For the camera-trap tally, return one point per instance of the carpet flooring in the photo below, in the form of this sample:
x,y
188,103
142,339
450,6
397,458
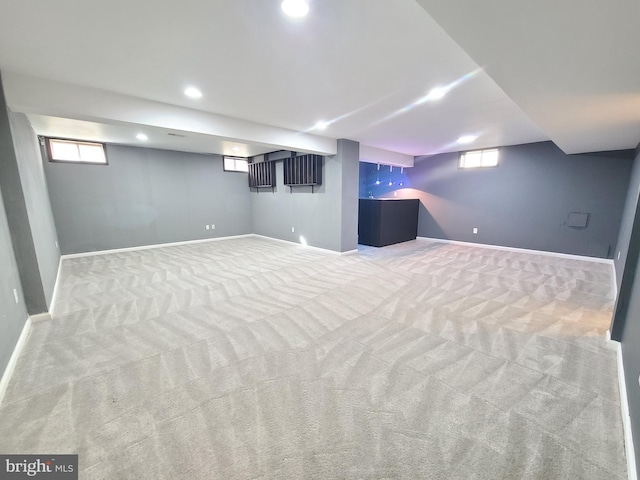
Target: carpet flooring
x,y
251,358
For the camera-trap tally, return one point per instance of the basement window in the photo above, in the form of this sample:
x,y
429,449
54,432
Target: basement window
x,y
236,164
479,158
76,151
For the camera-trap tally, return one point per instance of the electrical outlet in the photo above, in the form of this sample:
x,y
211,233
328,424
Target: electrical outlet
x,y
293,230
207,227
15,294
475,230
213,227
395,194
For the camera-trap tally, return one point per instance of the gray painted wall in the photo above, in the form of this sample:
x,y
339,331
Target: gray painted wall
x,y
146,197
630,207
325,218
17,215
12,315
349,153
631,360
626,323
524,202
314,216
37,202
21,289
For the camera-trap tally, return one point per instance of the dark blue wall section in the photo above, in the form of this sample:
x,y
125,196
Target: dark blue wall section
x,y
523,203
626,323
626,225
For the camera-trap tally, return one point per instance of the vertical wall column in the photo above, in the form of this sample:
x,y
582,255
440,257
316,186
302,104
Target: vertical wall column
x,y
349,158
18,218
325,217
625,326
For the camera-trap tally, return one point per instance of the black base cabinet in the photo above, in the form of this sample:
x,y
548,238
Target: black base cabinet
x,y
385,222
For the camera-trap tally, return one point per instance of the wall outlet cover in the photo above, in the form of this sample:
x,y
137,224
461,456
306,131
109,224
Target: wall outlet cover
x,y
207,227
577,220
475,230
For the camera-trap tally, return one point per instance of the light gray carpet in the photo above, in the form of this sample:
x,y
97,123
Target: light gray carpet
x,y
255,359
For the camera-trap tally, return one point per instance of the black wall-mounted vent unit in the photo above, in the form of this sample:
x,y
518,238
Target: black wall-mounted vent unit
x,y
262,175
303,170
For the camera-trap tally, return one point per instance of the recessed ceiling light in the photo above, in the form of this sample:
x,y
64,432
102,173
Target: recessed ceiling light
x,y
467,138
193,92
295,8
142,136
437,93
434,94
321,125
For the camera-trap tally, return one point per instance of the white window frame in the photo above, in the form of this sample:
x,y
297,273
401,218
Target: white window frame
x,y
77,144
235,161
486,153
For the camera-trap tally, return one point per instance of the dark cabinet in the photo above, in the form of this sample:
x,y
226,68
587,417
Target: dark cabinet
x,y
385,222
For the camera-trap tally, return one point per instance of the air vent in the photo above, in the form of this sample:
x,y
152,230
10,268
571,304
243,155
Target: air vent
x,y
303,170
262,174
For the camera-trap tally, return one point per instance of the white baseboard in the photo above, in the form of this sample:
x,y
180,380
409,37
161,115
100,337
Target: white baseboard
x,y
610,344
146,247
626,419
614,283
54,296
40,317
326,250
11,366
161,245
522,250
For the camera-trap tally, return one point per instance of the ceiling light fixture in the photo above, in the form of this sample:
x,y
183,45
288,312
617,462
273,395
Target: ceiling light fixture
x,y
295,8
437,93
193,92
142,136
321,125
467,138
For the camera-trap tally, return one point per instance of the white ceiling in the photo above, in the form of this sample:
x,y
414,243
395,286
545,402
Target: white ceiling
x,y
573,66
360,64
